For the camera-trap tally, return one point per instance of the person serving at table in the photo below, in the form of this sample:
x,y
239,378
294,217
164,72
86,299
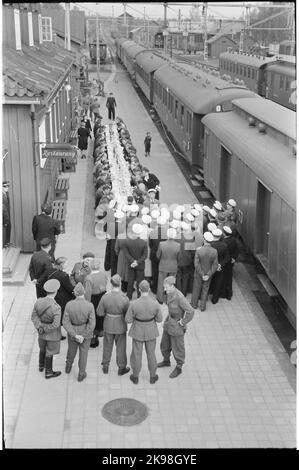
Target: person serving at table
x,y
151,181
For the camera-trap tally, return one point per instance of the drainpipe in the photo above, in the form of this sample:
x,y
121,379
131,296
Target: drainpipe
x,y
36,163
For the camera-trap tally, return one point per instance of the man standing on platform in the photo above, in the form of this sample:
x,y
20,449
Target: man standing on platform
x,y
206,264
40,265
180,313
135,250
46,319
6,214
113,308
144,313
232,245
43,226
79,322
111,105
223,259
168,255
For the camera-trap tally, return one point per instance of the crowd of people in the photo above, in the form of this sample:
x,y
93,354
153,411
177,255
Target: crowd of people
x,y
151,249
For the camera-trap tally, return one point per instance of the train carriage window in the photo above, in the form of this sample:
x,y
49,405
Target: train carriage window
x,y
230,67
248,72
182,116
252,73
176,109
287,85
241,70
281,83
237,69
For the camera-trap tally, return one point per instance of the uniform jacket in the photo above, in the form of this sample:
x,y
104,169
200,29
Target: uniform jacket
x,y
113,307
222,250
47,313
79,273
79,318
151,182
95,283
110,103
43,226
232,246
136,249
168,254
65,291
122,262
185,257
178,309
83,134
40,265
145,308
156,236
206,260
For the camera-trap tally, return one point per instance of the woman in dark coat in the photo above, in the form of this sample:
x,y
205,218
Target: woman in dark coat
x,y
83,134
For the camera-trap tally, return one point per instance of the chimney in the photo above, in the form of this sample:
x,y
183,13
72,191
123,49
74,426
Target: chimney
x,y
36,22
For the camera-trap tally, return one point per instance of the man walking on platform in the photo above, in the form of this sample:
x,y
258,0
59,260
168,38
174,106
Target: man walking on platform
x,y
43,226
206,264
135,250
113,308
46,319
167,254
180,313
223,259
79,322
147,144
40,265
143,313
111,105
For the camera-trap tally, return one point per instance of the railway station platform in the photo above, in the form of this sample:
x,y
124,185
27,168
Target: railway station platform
x,y
238,386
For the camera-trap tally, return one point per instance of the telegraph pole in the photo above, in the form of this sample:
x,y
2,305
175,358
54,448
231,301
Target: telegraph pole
x,y
98,46
179,20
67,27
165,14
205,35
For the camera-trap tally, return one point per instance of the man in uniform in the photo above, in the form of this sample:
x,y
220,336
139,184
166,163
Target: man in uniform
x,y
167,254
135,250
223,259
180,313
157,235
144,313
232,245
82,269
43,226
111,105
206,264
150,181
40,265
46,319
113,308
79,322
6,214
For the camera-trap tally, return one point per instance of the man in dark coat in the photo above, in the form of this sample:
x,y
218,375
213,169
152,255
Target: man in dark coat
x,y
111,105
135,251
6,214
83,134
65,292
167,254
81,269
40,265
43,226
185,262
144,313
150,181
223,258
156,236
232,245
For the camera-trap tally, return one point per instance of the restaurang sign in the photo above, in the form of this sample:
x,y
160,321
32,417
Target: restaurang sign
x,y
58,151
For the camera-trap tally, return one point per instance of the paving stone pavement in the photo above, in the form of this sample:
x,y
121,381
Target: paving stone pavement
x,y
237,388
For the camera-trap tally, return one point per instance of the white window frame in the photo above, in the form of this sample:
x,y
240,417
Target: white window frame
x,y
17,29
47,29
30,29
40,28
42,141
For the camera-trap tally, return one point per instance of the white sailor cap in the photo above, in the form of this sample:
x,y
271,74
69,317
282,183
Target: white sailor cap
x,y
146,219
155,214
171,233
227,230
161,220
151,190
185,226
217,205
232,202
211,226
217,233
206,208
145,210
198,207
213,213
175,223
195,212
137,229
208,237
189,217
165,213
134,208
180,208
126,208
176,214
119,214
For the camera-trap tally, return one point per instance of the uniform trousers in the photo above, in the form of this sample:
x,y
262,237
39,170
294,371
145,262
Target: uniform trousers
x,y
120,341
6,229
227,286
160,291
200,290
216,285
95,300
176,344
183,278
49,348
136,356
134,274
83,353
155,274
111,112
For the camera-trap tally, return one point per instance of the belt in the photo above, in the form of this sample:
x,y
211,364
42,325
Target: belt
x,y
145,321
80,324
114,316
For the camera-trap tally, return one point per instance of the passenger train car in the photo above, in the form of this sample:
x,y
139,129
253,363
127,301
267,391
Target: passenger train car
x,y
250,153
270,77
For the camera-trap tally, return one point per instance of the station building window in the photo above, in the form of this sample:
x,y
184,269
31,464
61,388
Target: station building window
x,y
17,29
47,28
30,29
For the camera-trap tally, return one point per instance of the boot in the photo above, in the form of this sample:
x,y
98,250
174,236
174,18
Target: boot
x,y
68,368
154,379
49,368
164,364
41,361
81,377
134,379
177,371
123,371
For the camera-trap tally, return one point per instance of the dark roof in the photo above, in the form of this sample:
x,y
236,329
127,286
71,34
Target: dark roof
x,y
270,113
283,68
245,59
202,96
34,71
133,50
219,36
149,61
271,161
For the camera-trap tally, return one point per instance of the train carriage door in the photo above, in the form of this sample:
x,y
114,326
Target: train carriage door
x,y
225,173
263,204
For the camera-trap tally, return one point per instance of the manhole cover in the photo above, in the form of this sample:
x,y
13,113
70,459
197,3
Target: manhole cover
x,y
125,411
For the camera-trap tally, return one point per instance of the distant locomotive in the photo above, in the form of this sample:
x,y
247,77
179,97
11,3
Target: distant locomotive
x,y
93,52
159,41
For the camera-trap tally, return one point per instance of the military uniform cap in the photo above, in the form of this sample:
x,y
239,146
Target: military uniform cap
x,y
171,233
206,209
169,280
208,237
176,214
227,230
195,212
45,242
119,214
116,280
79,289
146,219
175,223
190,217
213,213
232,202
51,286
145,210
185,226
198,207
180,208
211,226
88,254
137,229
151,190
155,214
134,208
217,205
217,232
